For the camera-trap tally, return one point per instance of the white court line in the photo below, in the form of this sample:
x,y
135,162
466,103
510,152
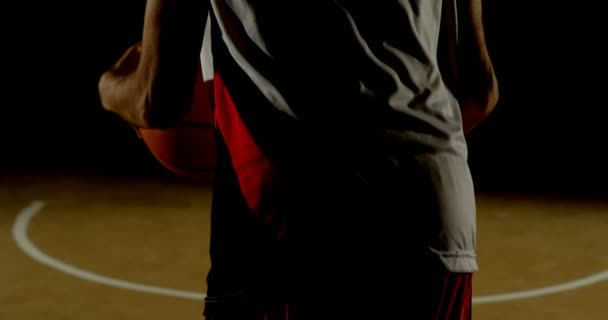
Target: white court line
x,y
571,285
20,235
26,215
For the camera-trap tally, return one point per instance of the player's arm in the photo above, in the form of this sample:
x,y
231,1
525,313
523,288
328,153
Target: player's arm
x,y
151,85
477,84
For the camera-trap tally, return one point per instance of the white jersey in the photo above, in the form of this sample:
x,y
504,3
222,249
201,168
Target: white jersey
x,y
374,65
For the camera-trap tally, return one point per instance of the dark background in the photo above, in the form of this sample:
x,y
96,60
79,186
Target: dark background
x,y
547,134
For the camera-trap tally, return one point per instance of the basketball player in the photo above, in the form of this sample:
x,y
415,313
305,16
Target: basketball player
x,y
342,188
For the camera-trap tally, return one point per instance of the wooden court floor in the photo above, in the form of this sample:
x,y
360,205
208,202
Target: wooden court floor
x,y
91,247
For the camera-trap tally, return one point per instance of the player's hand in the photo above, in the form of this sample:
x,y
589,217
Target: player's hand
x,y
115,77
118,87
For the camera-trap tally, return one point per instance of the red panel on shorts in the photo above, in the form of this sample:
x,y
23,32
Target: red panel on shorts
x,y
255,173
455,300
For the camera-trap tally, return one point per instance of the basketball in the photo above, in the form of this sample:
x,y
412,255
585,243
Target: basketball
x,y
188,149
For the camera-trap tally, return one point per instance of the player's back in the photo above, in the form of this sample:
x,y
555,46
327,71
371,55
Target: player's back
x,y
363,77
365,65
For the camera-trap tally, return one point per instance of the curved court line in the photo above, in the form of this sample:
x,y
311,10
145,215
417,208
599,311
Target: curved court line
x,y
524,294
20,235
27,214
